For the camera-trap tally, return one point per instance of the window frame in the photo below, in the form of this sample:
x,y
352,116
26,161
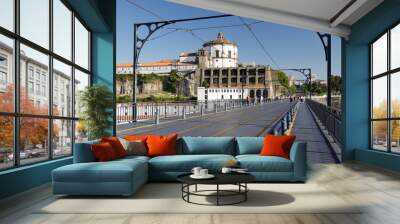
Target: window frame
x,y
388,74
16,114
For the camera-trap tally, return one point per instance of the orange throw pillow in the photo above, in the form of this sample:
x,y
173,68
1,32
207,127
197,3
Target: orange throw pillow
x,y
277,145
161,145
103,152
116,145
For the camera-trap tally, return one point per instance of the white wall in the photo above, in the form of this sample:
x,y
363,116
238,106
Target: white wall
x,y
223,61
221,93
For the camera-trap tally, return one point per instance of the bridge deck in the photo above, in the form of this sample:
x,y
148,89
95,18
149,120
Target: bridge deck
x,y
305,128
248,121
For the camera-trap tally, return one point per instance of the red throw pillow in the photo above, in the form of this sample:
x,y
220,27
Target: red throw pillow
x,y
277,145
116,145
103,152
161,145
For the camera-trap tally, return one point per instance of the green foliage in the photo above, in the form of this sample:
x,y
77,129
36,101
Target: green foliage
x,y
320,89
292,89
148,78
336,84
97,104
158,99
170,82
124,77
283,79
124,99
317,88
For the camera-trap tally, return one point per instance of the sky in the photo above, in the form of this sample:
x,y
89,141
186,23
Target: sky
x,y
289,47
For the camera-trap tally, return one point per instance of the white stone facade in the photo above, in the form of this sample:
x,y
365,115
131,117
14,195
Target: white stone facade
x,y
209,94
218,53
159,68
34,80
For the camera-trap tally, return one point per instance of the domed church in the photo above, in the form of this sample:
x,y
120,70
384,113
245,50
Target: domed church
x,y
218,53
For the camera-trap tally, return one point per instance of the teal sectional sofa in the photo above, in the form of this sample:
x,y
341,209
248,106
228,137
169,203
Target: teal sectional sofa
x,y
125,176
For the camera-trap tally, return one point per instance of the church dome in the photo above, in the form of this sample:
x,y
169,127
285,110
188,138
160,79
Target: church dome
x,y
220,40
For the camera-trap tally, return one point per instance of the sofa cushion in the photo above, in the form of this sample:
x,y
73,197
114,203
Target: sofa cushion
x,y
83,152
112,171
132,158
161,145
103,152
249,145
134,147
275,145
208,145
116,145
185,163
257,163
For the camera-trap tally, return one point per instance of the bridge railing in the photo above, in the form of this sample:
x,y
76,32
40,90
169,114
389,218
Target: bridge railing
x,y
282,124
169,110
329,117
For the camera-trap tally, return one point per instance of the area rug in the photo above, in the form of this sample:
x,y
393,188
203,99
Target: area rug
x,y
167,198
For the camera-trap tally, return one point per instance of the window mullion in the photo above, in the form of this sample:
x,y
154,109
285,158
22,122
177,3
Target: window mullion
x,y
50,81
16,84
371,137
389,104
73,80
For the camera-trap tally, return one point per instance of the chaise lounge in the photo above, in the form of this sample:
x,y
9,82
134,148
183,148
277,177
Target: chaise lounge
x,y
125,176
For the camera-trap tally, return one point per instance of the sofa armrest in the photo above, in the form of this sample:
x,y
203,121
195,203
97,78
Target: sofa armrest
x,y
83,152
298,155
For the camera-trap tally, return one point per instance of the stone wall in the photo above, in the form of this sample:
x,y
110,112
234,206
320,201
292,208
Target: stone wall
x,y
152,86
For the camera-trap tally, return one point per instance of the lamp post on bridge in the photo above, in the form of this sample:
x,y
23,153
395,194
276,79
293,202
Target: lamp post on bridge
x,y
138,43
326,42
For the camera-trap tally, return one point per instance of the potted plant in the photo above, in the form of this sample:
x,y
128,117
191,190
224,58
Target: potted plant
x,y
96,103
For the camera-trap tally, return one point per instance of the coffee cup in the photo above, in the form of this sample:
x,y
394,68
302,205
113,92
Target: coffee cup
x,y
226,170
196,171
203,172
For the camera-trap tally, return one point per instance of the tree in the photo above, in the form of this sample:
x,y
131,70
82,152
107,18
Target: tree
x,y
33,131
292,89
317,88
283,79
336,84
379,128
97,104
171,82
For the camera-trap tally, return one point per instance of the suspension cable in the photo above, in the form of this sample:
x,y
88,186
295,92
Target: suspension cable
x,y
259,42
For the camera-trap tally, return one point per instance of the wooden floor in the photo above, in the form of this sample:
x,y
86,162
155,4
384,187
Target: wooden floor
x,y
378,189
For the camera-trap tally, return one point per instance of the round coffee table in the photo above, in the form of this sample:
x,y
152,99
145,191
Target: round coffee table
x,y
238,179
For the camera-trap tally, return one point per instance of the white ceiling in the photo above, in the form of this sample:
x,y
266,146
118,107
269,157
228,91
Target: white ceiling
x,y
327,16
